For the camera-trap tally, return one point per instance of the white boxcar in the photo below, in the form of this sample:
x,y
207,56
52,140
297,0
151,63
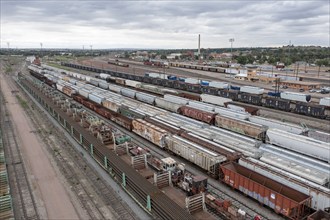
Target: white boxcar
x,y
325,101
168,105
144,97
96,98
176,99
192,81
320,195
80,83
115,88
194,153
128,92
132,83
220,85
299,143
217,100
232,113
201,106
299,169
272,123
300,97
252,90
59,86
94,82
84,92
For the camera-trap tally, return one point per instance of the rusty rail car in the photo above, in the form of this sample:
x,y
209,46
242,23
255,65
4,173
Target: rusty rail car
x,y
282,199
147,195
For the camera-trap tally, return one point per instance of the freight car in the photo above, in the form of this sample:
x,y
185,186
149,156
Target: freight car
x,y
285,103
281,198
117,63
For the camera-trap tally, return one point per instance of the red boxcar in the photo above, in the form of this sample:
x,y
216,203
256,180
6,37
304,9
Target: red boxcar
x,y
197,114
283,199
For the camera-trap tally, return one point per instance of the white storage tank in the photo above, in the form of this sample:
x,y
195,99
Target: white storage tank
x,y
300,97
325,101
217,100
252,90
220,85
299,143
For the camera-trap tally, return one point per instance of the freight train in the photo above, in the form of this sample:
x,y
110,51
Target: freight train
x,y
210,156
291,103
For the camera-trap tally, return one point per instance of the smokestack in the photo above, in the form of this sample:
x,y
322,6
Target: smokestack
x,y
199,46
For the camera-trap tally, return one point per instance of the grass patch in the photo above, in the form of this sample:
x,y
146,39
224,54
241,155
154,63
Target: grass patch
x,y
22,102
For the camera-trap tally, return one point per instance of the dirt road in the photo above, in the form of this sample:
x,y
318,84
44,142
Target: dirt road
x,y
45,182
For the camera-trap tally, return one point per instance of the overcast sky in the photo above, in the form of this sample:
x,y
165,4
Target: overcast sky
x,y
163,24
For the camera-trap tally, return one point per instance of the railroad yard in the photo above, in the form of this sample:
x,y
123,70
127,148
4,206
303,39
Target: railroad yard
x,y
129,141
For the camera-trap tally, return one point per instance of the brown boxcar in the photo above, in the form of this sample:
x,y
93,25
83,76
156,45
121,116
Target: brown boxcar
x,y
282,199
241,126
122,120
207,117
167,127
319,215
120,81
189,96
68,90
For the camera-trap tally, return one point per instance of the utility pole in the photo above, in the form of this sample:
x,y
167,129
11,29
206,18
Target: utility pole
x,y
8,45
231,40
40,46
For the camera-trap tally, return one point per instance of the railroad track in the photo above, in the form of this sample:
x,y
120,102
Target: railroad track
x,y
251,212
23,199
82,177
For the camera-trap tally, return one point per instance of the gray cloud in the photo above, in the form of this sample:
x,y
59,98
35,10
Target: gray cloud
x,y
164,24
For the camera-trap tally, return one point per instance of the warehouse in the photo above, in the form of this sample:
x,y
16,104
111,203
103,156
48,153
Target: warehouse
x,y
300,85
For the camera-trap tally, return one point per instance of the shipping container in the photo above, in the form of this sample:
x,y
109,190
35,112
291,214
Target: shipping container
x,y
220,85
232,113
143,97
128,92
96,98
325,101
241,126
204,116
204,158
217,100
299,143
320,196
300,97
168,105
252,90
201,106
281,198
273,123
150,132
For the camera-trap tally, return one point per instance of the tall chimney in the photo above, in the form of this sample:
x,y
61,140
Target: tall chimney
x,y
199,46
